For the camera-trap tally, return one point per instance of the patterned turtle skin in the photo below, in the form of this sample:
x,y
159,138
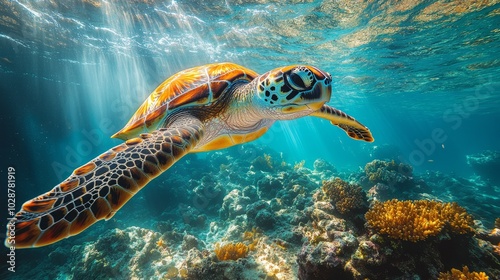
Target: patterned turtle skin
x,y
199,109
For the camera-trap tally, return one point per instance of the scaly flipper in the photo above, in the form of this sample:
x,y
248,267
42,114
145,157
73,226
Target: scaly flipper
x,y
352,127
96,190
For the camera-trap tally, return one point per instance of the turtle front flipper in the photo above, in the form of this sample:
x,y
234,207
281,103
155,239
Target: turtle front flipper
x,y
352,127
98,189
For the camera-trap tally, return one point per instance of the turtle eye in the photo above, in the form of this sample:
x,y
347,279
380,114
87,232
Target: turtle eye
x,y
299,79
295,81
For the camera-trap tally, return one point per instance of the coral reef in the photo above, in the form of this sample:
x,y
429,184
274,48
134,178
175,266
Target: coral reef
x,y
234,204
344,248
389,173
390,179
324,260
122,254
472,192
231,251
283,223
263,163
456,274
324,169
417,220
486,164
344,196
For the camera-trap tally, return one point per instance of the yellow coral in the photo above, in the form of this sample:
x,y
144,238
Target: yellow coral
x,y
252,236
299,165
171,273
264,163
160,243
231,251
345,197
269,161
456,217
456,274
417,220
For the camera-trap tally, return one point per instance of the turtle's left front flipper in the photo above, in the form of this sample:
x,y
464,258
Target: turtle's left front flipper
x,y
352,127
98,189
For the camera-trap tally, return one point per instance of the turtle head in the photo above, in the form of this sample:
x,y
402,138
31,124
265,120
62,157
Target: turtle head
x,y
293,91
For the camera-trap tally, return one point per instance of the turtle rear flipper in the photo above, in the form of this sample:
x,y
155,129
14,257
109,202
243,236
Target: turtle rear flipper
x,y
98,189
351,126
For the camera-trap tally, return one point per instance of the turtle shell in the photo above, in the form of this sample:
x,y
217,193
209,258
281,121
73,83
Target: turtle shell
x,y
198,86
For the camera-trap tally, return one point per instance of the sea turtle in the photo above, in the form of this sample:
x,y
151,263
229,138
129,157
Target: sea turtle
x,y
200,109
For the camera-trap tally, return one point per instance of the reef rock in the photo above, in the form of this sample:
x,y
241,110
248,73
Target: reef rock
x,y
486,165
125,254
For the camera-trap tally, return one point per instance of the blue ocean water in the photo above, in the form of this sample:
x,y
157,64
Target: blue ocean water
x,y
422,75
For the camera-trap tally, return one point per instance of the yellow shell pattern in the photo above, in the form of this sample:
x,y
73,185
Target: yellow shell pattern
x,y
196,86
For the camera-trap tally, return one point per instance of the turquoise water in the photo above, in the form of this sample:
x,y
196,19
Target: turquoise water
x,y
422,75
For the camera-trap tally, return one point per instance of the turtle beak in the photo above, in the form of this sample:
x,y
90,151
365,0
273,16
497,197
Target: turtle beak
x,y
319,95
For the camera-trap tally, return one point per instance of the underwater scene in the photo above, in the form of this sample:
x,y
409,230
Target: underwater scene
x,y
301,139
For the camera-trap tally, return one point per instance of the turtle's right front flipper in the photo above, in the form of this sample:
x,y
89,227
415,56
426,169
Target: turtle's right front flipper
x,y
99,188
351,126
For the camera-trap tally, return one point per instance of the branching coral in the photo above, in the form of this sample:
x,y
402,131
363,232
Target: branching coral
x,y
465,274
456,217
497,222
231,251
417,220
299,165
344,196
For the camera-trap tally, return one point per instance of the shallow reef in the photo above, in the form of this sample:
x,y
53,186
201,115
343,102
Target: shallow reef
x,y
486,164
418,220
246,213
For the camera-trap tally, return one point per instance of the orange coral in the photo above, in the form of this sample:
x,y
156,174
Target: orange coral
x,y
345,197
253,236
417,220
456,217
231,251
456,274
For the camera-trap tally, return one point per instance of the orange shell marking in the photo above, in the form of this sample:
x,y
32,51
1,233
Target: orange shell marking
x,y
85,169
192,87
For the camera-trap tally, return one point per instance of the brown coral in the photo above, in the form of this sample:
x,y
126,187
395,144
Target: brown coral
x,y
465,274
231,251
497,223
263,163
388,172
344,196
417,220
